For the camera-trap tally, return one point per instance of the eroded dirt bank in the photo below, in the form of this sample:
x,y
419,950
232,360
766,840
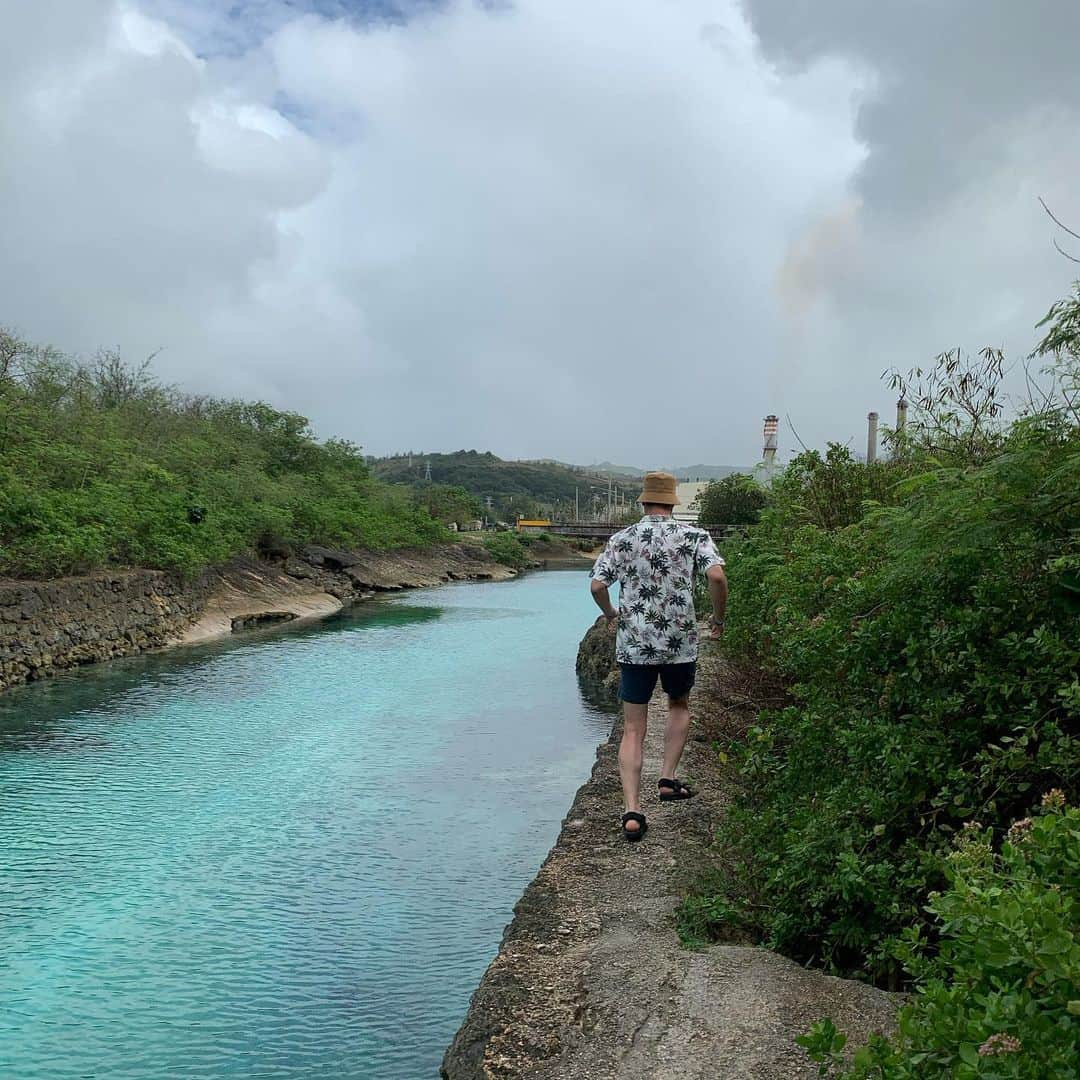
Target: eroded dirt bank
x,y
48,626
591,979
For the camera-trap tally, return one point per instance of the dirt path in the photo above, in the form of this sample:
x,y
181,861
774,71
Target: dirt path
x,y
591,979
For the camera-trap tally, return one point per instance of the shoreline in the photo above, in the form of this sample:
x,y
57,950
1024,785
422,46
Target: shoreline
x,y
590,978
47,627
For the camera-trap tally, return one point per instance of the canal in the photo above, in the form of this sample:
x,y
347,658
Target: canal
x,y
286,856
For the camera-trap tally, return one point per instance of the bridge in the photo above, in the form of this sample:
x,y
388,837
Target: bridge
x,y
603,531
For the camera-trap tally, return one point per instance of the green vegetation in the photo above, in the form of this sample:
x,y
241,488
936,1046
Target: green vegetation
x,y
737,499
920,617
509,549
101,465
517,488
448,504
998,996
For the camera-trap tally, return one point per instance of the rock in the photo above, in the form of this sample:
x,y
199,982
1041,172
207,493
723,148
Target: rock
x,y
83,620
596,661
330,558
261,618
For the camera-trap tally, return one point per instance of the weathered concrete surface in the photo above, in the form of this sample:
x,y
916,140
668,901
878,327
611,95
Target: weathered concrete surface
x,y
591,979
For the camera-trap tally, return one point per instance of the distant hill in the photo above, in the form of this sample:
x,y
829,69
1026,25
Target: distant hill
x,y
708,472
526,488
683,472
609,468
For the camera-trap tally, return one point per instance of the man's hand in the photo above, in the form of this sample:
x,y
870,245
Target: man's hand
x,y
600,594
716,627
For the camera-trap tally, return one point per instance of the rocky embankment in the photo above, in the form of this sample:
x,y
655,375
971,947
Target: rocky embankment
x,y
596,660
47,626
591,979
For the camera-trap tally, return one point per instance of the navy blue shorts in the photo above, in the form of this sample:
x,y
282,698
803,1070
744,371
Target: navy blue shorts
x,y
638,681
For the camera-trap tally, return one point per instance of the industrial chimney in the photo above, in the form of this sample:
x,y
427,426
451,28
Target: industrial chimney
x,y
871,437
772,425
901,414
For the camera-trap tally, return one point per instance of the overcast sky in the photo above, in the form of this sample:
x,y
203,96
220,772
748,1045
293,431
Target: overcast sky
x,y
583,229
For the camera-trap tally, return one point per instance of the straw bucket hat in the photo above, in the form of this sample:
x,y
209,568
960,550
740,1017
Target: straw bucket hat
x,y
659,488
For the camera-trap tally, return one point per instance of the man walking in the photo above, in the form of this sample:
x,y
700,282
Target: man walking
x,y
655,563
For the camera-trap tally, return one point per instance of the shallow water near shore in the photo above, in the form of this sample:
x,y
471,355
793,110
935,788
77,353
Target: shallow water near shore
x,y
288,856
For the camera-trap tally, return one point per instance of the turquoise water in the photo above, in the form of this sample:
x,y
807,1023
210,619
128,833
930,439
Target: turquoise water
x,y
291,856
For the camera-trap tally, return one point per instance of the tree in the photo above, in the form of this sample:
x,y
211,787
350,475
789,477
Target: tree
x,y
449,504
736,499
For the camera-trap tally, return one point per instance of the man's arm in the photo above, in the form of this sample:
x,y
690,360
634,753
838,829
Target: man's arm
x,y
718,590
599,591
604,574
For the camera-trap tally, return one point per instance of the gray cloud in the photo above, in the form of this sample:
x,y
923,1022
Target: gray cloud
x,y
613,230
969,115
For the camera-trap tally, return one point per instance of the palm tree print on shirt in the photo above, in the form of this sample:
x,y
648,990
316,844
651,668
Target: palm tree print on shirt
x,y
654,563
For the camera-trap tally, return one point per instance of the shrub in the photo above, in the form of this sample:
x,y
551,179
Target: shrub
x,y
923,618
507,549
448,504
100,465
737,499
1000,994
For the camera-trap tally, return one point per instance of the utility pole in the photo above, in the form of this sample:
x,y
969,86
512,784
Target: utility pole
x,y
871,438
577,512
427,472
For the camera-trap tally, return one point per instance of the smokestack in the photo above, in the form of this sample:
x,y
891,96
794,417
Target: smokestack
x,y
772,424
901,414
871,437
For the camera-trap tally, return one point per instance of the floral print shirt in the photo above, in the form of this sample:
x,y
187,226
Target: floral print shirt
x,y
655,562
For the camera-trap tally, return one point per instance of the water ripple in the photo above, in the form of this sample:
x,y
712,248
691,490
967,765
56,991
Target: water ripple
x,y
291,857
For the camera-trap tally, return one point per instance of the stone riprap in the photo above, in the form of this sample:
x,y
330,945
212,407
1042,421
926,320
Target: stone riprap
x,y
46,626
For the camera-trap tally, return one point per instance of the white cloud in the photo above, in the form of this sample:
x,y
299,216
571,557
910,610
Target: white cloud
x,y
595,230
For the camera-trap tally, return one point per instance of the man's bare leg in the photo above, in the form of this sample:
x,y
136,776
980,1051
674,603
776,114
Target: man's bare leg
x,y
635,719
678,727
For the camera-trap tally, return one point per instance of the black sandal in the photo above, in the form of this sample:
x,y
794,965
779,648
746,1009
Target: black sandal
x,y
634,834
678,790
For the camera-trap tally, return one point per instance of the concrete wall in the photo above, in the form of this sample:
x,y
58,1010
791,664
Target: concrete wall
x,y
687,493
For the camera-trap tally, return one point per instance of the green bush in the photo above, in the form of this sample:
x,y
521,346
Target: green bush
x,y
507,548
447,503
999,996
922,614
101,465
737,499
